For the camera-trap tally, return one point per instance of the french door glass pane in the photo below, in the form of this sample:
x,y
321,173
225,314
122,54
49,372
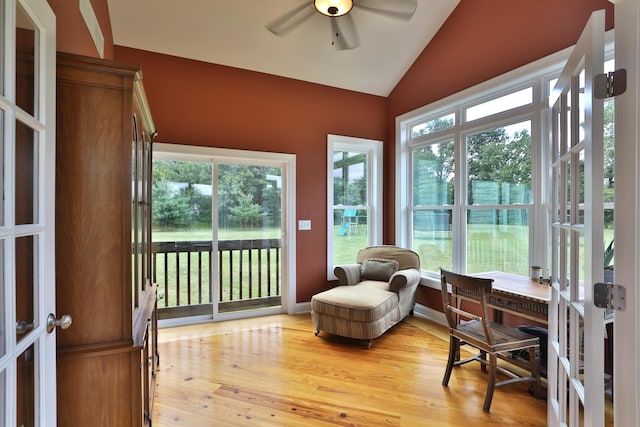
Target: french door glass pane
x,y
581,195
3,387
2,56
26,284
26,65
2,305
567,130
568,262
2,167
581,268
499,165
26,388
567,201
498,239
26,170
581,106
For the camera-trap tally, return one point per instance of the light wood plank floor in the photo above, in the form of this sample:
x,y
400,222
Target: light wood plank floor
x,y
273,371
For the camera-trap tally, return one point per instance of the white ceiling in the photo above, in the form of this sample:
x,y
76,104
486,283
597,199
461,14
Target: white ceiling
x,y
233,33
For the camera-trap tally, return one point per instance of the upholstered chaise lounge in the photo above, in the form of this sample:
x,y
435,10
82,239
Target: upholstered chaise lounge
x,y
372,295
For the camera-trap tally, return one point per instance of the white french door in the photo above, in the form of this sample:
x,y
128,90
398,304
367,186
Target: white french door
x,y
576,393
27,180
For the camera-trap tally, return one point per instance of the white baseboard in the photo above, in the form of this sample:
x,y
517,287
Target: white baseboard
x,y
301,308
430,314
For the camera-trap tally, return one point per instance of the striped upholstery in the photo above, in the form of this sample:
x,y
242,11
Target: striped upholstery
x,y
353,329
355,303
366,309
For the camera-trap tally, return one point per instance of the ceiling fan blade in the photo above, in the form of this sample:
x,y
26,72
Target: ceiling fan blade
x,y
344,33
290,20
399,9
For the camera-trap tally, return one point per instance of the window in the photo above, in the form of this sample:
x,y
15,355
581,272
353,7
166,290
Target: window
x,y
499,199
472,174
354,197
433,199
471,183
500,104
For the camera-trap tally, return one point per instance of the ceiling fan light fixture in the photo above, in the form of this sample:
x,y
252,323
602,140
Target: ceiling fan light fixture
x,y
333,7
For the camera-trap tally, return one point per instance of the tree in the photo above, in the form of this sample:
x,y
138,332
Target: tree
x,y
245,213
169,210
240,187
496,157
189,174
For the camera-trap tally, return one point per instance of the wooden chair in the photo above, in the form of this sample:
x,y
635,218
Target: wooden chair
x,y
490,338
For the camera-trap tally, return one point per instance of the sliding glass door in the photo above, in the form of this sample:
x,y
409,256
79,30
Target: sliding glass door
x,y
219,219
249,227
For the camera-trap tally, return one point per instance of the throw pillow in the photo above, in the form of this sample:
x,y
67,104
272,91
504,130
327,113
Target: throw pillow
x,y
378,269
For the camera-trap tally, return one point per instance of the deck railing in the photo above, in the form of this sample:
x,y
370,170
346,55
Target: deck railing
x,y
248,274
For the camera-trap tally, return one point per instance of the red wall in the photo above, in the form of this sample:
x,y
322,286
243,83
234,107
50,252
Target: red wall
x,y
196,103
210,105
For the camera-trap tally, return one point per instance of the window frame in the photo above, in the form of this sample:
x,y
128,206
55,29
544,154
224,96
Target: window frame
x,y
536,75
373,150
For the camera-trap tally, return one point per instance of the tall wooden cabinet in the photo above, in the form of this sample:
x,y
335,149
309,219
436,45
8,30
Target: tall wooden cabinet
x,y
107,358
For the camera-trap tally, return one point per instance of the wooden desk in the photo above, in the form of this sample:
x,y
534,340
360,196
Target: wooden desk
x,y
518,295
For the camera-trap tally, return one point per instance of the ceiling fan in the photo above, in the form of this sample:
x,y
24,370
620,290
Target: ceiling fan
x,y
343,29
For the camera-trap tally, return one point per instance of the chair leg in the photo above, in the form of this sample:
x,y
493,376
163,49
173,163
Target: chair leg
x,y
493,363
483,366
454,348
534,358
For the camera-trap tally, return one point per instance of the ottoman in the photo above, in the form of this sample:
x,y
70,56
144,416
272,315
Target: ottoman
x,y
361,311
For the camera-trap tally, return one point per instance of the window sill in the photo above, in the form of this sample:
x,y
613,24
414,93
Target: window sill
x,y
430,282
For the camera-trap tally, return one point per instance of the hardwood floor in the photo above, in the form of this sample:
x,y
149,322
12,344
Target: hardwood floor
x,y
273,371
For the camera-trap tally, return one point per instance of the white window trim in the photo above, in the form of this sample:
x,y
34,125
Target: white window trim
x,y
373,149
535,74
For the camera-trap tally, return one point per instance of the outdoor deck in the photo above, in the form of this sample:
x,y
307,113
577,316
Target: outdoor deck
x,y
248,272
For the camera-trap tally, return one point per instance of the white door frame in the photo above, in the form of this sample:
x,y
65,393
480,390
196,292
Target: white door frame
x,y
627,218
42,122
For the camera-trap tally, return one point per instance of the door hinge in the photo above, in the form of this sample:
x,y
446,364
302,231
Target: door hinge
x,y
610,84
610,296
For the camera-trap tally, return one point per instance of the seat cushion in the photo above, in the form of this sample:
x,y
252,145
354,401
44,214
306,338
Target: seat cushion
x,y
358,303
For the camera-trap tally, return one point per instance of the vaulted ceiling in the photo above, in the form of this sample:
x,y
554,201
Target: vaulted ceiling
x,y
234,33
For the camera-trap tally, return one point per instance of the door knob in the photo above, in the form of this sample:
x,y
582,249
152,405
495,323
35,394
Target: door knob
x,y
64,322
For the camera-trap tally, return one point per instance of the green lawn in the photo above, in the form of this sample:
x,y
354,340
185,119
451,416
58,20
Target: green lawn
x,y
489,248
